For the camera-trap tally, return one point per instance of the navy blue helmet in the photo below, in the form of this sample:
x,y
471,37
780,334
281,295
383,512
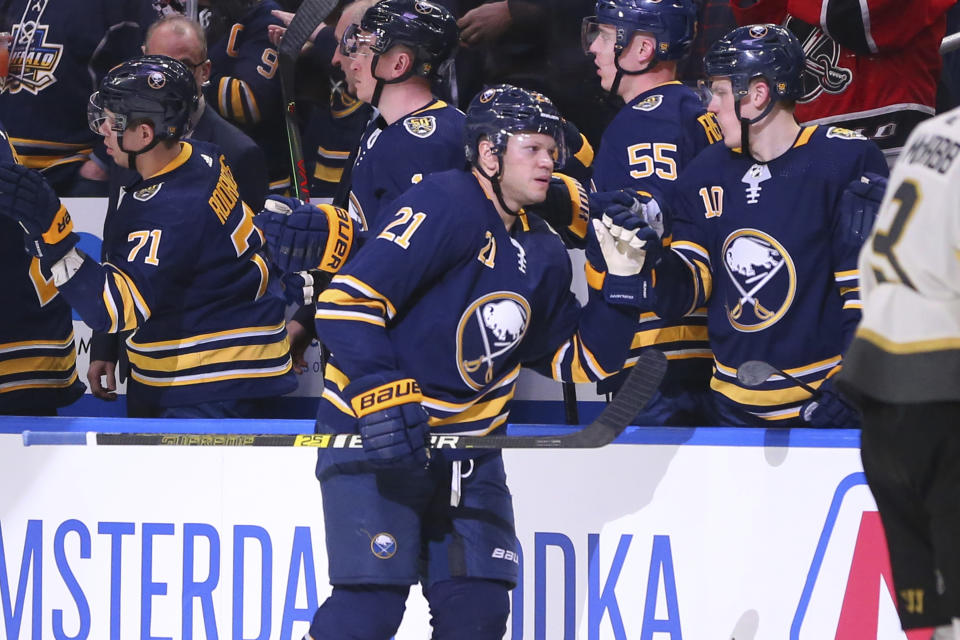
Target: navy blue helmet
x,y
766,51
672,22
502,110
429,29
154,88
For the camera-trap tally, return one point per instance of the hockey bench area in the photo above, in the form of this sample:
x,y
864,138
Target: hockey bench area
x,y
698,533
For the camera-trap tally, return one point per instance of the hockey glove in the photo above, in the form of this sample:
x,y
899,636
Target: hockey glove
x,y
829,409
393,425
626,244
303,287
857,210
303,236
580,157
27,199
566,208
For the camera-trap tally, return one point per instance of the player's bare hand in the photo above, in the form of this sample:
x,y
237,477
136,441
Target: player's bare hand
x,y
484,23
105,390
276,32
299,341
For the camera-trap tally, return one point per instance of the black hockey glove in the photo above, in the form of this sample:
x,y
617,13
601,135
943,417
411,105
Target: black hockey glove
x,y
27,199
857,210
393,425
829,409
301,236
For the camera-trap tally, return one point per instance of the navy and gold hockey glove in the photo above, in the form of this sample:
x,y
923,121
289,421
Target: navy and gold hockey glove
x,y
829,409
629,249
580,153
393,425
302,237
27,199
858,206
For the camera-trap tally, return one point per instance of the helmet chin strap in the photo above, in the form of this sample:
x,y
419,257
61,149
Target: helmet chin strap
x,y
745,126
612,93
494,181
132,155
375,100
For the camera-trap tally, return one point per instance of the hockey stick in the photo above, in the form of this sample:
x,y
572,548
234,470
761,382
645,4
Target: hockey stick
x,y
753,373
636,391
307,18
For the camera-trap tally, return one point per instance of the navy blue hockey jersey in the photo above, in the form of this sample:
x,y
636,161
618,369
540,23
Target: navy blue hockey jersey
x,y
332,132
646,146
761,246
392,158
183,266
60,51
443,293
245,87
37,352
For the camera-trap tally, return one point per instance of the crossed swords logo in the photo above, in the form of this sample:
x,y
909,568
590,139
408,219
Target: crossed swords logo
x,y
750,297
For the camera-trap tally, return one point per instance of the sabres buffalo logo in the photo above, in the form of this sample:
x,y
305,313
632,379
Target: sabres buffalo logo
x,y
383,546
764,280
489,330
156,80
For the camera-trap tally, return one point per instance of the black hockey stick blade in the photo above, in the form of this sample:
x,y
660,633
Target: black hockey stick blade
x,y
753,373
636,391
307,18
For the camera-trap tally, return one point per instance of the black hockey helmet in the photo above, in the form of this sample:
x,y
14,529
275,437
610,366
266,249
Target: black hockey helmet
x,y
766,51
428,28
157,89
502,110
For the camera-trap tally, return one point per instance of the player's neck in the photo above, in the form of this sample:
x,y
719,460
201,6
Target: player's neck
x,y
774,135
153,162
633,86
403,98
508,220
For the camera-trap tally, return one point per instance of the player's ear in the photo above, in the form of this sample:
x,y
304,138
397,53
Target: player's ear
x,y
759,93
402,62
643,49
489,161
144,133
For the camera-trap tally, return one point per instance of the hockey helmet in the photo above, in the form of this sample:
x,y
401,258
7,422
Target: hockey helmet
x,y
502,110
673,23
764,51
428,28
154,88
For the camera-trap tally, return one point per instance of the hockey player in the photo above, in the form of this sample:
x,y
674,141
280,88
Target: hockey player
x,y
244,82
394,52
456,290
902,368
37,352
60,50
766,234
184,266
183,39
636,45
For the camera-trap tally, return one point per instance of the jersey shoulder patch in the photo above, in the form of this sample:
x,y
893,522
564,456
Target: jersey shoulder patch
x,y
421,126
844,134
142,195
649,103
